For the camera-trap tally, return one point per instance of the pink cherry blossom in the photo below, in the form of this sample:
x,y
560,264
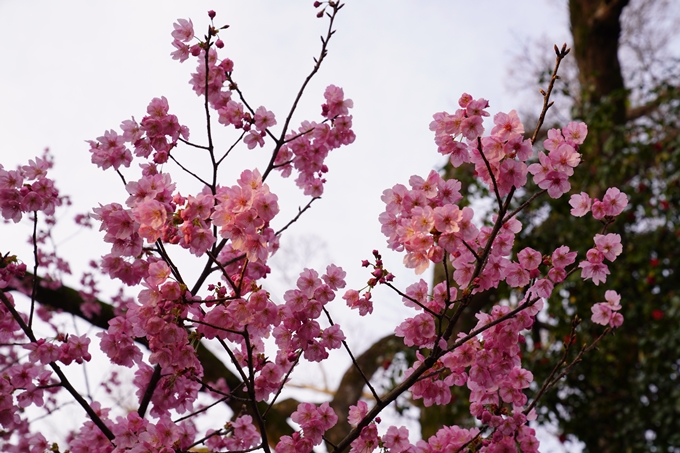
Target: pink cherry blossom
x,y
580,203
183,30
614,201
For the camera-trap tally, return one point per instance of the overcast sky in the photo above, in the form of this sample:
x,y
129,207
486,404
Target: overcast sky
x,y
74,69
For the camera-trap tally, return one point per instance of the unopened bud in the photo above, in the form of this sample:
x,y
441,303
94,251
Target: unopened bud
x,y
211,14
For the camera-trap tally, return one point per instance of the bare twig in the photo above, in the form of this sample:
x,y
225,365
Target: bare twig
x,y
354,361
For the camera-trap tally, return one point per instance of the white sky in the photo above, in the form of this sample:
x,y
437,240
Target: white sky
x,y
72,69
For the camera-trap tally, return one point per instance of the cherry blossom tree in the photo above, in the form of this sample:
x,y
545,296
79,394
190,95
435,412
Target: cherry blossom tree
x,y
229,229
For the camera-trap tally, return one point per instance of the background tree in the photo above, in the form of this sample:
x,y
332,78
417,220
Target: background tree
x,y
632,110
632,403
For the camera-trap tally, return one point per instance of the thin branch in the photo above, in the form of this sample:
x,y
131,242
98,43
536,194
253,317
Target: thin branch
x,y
207,269
354,361
489,325
493,178
188,171
317,64
122,177
35,267
250,385
148,392
283,382
223,269
523,205
471,250
186,142
300,212
548,385
561,53
415,301
231,147
203,409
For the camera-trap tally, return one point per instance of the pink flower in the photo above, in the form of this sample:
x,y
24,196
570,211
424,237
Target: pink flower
x,y
357,413
396,439
575,133
543,287
554,139
183,30
336,104
518,147
263,119
447,217
419,330
565,158
513,173
556,183
602,313
158,273
613,299
609,245
507,124
599,210
562,257
516,276
580,203
597,271
520,378
471,128
182,51
529,258
614,201
253,139
606,312
367,441
540,170
334,277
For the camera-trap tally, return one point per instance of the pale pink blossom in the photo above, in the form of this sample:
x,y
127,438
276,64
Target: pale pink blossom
x,y
580,203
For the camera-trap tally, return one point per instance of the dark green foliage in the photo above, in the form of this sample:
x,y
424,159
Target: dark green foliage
x,y
626,397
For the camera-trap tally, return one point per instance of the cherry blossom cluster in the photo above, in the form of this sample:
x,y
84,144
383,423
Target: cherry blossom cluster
x,y
240,435
10,268
426,223
304,305
314,422
362,302
25,383
243,214
133,434
553,170
607,313
28,189
158,133
307,148
499,158
159,318
304,150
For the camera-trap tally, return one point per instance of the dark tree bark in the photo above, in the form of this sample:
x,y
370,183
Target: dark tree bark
x,y
596,29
